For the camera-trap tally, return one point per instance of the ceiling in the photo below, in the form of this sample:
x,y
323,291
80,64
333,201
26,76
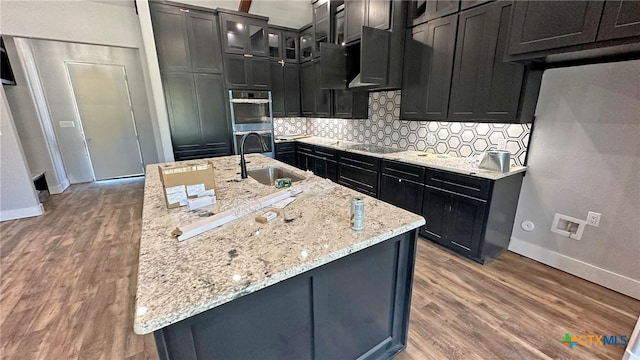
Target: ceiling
x,y
292,13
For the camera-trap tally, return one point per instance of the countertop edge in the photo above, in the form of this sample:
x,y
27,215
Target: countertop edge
x,y
150,327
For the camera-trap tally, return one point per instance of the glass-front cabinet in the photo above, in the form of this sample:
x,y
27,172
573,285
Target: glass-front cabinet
x,y
283,45
275,49
322,24
306,44
246,36
290,46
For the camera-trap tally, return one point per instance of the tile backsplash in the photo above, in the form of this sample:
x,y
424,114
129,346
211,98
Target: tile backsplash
x,y
383,127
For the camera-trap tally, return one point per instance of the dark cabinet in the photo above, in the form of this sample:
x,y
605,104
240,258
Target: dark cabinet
x,y
277,89
372,13
427,70
286,152
283,45
244,35
285,89
291,74
304,157
186,40
242,72
324,163
423,11
354,19
471,216
378,15
350,105
402,185
306,43
620,19
484,87
322,24
453,220
195,103
323,97
359,172
455,71
307,88
544,25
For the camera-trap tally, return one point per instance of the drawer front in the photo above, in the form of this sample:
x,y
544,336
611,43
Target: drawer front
x,y
403,171
325,153
360,161
356,178
305,148
285,147
462,184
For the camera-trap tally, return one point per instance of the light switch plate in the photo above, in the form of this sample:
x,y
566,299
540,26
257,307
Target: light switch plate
x,y
66,124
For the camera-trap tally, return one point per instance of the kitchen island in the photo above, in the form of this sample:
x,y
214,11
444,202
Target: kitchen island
x,y
305,286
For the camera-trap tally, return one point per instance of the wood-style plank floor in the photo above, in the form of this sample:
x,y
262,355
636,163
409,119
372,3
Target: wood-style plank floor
x,y
68,282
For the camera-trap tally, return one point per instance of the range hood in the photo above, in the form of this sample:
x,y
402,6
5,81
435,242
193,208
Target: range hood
x,y
361,66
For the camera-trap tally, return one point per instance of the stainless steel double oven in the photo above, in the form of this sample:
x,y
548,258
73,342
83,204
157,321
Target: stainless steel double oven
x,y
251,111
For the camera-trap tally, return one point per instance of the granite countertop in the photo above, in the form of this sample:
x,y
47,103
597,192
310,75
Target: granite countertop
x,y
177,280
449,163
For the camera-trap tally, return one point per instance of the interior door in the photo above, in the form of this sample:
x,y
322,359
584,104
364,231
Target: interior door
x,y
104,108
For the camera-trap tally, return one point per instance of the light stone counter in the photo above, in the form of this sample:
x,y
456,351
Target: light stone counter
x,y
455,164
177,280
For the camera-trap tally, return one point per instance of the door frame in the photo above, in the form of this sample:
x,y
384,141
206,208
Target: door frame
x,y
79,118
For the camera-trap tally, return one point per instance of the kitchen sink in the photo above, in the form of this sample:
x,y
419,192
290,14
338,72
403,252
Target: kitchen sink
x,y
269,175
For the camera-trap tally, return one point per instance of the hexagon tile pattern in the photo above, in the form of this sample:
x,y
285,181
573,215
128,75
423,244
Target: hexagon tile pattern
x,y
383,127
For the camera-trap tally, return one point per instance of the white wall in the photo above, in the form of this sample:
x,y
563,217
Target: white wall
x,y
50,57
18,198
112,23
585,156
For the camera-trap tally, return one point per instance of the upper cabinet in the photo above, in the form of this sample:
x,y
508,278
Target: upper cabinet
x,y
620,19
186,39
543,25
454,70
372,13
244,35
424,10
306,43
321,24
283,45
556,31
427,71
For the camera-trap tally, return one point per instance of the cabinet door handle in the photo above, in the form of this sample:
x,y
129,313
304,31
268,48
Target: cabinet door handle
x,y
184,10
248,55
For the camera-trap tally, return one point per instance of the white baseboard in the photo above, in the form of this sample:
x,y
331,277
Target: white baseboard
x,y
581,269
58,189
22,213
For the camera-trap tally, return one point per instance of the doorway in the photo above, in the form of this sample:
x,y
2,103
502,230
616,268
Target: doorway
x,y
105,112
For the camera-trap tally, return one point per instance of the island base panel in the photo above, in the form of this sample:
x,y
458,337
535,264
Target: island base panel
x,y
356,307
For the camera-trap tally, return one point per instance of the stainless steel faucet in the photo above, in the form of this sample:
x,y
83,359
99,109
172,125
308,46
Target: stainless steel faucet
x,y
243,163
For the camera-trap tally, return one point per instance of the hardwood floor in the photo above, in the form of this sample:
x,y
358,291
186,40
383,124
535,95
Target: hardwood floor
x,y
68,282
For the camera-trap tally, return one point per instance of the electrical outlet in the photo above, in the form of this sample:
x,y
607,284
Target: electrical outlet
x,y
431,139
502,144
593,219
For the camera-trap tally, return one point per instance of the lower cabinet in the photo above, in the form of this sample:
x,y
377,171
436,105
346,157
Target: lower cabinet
x,y
455,220
198,119
286,152
471,216
359,172
402,185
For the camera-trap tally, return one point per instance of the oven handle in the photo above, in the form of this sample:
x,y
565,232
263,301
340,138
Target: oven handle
x,y
261,132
